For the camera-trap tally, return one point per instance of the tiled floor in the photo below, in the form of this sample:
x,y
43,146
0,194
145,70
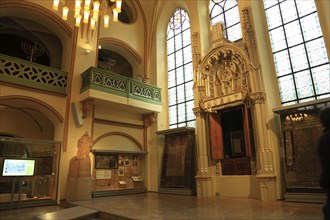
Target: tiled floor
x,y
162,206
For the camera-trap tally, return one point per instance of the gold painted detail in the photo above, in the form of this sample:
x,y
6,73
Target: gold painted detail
x,y
257,97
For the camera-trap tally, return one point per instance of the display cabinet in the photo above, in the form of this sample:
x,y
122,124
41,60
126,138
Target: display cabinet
x,y
299,131
118,172
29,172
179,162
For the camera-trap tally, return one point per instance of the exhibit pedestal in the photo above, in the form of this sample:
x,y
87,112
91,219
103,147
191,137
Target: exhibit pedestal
x,y
79,188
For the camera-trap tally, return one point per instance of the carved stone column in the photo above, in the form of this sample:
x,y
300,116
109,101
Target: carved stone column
x,y
204,173
265,159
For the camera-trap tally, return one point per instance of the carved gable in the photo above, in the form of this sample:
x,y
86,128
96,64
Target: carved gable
x,y
224,73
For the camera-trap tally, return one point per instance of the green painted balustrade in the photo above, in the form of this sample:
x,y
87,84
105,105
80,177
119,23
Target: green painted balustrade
x,y
106,81
21,72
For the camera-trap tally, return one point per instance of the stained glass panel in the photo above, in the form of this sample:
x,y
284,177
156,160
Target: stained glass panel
x,y
288,10
310,26
188,69
172,96
287,88
273,17
305,7
187,55
282,63
190,112
298,58
181,113
293,33
235,32
277,39
232,17
170,46
178,58
170,62
189,90
303,41
186,38
304,84
181,93
316,52
180,71
226,12
171,78
269,3
321,76
173,114
179,75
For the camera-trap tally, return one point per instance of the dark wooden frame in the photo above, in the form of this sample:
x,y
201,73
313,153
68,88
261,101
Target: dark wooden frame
x,y
107,157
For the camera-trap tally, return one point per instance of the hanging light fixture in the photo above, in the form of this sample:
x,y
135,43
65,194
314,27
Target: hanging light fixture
x,y
88,11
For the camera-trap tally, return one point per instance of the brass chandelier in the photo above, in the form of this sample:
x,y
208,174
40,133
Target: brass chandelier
x,y
88,11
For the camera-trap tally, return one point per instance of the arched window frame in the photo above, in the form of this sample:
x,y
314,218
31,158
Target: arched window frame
x,y
180,71
227,13
300,57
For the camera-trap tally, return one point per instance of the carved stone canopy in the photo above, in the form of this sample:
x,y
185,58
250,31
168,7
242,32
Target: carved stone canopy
x,y
224,74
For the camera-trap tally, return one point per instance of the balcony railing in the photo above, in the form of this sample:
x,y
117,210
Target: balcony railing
x,y
21,72
102,80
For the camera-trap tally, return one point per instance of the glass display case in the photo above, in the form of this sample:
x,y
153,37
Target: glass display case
x,y
29,172
118,172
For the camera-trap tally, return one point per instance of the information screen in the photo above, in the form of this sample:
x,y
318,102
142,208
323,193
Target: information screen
x,y
18,167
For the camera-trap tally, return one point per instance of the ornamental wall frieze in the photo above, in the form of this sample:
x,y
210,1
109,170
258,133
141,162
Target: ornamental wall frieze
x,y
198,111
231,100
257,97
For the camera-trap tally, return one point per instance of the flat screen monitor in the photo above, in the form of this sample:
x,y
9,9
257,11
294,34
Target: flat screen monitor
x,y
18,167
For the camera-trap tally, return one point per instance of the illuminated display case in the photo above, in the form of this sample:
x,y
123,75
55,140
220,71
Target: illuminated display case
x,y
28,186
118,172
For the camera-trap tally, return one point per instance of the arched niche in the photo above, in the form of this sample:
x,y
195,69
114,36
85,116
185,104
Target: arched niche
x,y
224,86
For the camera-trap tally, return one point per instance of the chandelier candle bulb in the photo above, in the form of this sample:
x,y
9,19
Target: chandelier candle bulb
x,y
118,5
115,15
92,24
77,9
106,20
78,20
65,13
55,4
89,12
86,17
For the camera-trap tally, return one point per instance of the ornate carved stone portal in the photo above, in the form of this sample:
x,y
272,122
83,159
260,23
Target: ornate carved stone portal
x,y
228,97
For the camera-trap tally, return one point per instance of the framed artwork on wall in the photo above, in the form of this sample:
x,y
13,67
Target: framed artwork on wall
x,y
104,161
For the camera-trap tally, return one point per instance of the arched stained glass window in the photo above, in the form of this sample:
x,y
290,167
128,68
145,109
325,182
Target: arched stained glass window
x,y
301,61
180,71
226,12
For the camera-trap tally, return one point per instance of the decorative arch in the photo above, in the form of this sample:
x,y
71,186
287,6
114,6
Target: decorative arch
x,y
128,49
119,134
224,70
7,6
35,101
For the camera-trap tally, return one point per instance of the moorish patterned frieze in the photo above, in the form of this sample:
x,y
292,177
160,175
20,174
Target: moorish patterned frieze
x,y
29,74
94,78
